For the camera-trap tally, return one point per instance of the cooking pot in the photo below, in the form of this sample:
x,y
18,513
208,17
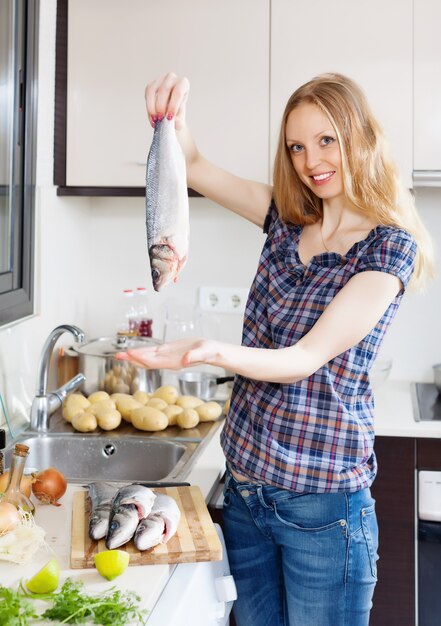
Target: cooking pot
x,y
104,372
201,384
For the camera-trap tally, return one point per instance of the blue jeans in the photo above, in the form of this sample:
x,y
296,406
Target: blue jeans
x,y
300,559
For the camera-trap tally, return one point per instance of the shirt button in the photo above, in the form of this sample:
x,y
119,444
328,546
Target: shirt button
x,y
245,493
342,522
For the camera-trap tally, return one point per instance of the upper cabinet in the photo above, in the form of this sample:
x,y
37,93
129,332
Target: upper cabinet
x,y
427,98
115,48
371,42
243,59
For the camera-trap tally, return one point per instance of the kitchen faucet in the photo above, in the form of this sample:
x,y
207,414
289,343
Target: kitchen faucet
x,y
44,403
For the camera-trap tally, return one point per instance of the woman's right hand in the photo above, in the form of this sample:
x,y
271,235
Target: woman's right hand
x,y
166,96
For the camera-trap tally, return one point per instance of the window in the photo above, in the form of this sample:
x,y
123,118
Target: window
x,y
18,65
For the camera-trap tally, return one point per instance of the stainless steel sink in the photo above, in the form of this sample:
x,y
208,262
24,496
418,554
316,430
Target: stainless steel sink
x,y
128,459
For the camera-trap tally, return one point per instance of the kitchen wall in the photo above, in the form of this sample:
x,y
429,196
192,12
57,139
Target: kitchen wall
x,y
89,249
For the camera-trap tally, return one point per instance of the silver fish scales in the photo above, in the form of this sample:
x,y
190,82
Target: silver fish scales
x,y
167,213
130,504
101,495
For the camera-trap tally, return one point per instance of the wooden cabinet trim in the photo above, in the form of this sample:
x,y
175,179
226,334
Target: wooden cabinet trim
x,y
60,122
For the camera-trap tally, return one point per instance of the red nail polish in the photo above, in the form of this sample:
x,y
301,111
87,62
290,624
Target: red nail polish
x,y
170,116
154,118
160,118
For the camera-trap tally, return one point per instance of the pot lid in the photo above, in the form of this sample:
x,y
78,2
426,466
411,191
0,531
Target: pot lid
x,y
108,346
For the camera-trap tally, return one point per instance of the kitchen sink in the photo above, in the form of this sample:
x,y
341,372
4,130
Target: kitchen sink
x,y
86,458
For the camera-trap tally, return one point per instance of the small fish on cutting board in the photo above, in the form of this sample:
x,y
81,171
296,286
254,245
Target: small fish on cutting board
x,y
167,213
130,504
184,532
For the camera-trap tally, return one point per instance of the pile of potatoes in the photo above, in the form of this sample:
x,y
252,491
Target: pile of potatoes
x,y
145,411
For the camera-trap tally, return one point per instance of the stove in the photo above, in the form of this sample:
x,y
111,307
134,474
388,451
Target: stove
x,y
427,402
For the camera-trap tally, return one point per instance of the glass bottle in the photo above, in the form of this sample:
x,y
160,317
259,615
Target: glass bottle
x,y
127,326
13,493
2,447
143,319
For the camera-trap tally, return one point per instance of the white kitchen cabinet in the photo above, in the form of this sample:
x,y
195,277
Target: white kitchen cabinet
x,y
427,93
371,42
115,48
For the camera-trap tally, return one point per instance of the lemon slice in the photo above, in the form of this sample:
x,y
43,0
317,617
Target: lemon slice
x,y
112,563
46,580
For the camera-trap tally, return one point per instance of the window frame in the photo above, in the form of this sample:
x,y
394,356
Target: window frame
x,y
17,294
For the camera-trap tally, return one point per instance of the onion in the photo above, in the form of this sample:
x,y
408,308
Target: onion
x,y
9,517
25,484
49,486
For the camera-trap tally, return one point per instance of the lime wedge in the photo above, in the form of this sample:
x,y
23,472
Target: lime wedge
x,y
46,580
112,563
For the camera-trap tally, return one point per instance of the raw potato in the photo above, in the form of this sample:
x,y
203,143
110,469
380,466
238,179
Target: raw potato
x,y
167,393
96,407
108,419
157,403
142,396
78,400
126,405
189,418
69,411
118,396
209,411
98,396
188,402
172,411
149,418
84,422
121,387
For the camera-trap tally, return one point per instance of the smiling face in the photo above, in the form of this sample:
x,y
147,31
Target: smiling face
x,y
315,152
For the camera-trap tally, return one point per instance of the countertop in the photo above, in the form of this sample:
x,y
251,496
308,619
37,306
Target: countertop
x,y
394,416
395,410
146,580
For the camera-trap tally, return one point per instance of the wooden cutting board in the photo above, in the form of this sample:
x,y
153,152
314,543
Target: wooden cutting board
x,y
195,540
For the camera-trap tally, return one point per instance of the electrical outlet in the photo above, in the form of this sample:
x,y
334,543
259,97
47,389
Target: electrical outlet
x,y
223,299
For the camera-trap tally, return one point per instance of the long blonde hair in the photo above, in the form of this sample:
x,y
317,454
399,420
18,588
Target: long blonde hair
x,y
370,178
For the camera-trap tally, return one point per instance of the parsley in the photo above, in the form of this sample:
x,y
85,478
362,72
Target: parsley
x,y
14,608
72,606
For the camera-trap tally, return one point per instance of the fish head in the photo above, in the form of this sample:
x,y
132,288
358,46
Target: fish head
x,y
117,535
165,265
98,527
122,526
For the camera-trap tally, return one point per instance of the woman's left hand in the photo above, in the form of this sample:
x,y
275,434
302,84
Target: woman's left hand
x,y
174,355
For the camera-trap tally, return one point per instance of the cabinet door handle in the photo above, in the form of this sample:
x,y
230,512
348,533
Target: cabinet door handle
x,y
426,178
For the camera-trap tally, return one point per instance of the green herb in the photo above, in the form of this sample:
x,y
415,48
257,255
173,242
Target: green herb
x,y
15,610
72,606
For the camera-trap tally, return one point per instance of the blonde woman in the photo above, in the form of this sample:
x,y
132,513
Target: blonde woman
x,y
343,242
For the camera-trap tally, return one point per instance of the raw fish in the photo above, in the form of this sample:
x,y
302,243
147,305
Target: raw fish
x,y
160,525
167,215
130,504
101,495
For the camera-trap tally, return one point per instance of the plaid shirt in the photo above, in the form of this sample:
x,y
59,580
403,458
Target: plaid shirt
x,y
315,435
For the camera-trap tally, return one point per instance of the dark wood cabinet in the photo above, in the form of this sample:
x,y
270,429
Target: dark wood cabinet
x,y
394,492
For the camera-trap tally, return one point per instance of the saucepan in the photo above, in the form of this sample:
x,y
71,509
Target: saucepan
x,y
103,371
201,384
437,376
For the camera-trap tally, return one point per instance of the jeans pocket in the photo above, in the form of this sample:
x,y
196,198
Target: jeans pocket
x,y
307,519
370,532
